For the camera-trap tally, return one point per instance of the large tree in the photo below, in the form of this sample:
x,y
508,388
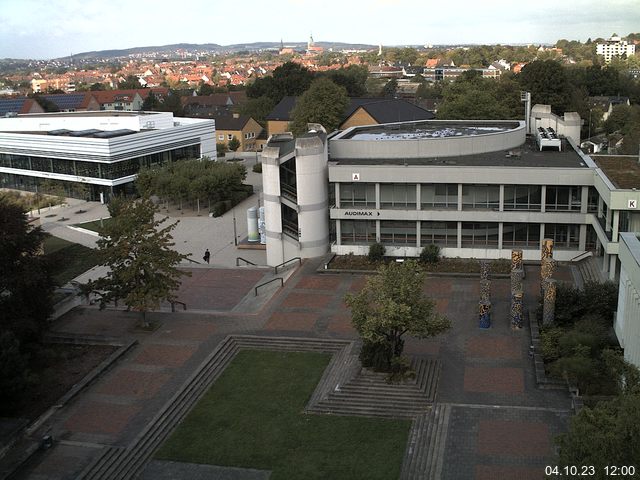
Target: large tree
x,y
26,285
288,79
548,84
324,103
393,304
138,250
606,435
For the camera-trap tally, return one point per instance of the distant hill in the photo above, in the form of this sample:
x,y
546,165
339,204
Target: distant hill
x,y
214,48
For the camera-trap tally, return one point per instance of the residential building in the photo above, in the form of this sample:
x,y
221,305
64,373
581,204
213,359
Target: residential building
x,y
73,102
606,104
14,106
359,111
122,100
477,189
615,47
244,128
96,153
209,106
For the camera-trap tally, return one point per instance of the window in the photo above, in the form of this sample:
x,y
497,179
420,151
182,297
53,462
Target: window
x,y
288,182
444,195
357,232
229,136
480,197
289,221
357,195
394,232
522,197
563,198
521,235
479,234
220,137
441,233
592,200
563,236
398,196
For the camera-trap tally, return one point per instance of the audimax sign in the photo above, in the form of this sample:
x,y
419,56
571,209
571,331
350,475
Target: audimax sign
x,y
361,213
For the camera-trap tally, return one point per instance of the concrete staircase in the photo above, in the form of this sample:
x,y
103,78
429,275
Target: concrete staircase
x,y
424,456
589,270
369,394
118,463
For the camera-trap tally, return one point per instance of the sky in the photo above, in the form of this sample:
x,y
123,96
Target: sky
x,y
45,29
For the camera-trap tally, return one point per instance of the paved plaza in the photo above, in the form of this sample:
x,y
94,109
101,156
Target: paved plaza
x,y
500,426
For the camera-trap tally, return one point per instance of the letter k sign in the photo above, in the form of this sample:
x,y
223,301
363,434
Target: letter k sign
x,y
632,204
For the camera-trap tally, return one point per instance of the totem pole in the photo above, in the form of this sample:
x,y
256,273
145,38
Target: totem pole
x,y
549,303
517,289
484,306
547,284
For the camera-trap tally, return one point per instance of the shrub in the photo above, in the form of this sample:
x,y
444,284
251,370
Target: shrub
x,y
400,370
376,252
430,254
549,342
14,374
257,168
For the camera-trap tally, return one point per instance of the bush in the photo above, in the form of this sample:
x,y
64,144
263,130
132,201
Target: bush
x,y
400,370
376,252
220,207
14,374
549,343
430,254
257,168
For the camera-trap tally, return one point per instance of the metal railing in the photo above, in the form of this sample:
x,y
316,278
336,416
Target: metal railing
x,y
586,254
275,269
255,290
244,260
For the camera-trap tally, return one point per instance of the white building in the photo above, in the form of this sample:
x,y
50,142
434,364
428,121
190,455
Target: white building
x,y
627,322
102,149
615,47
475,188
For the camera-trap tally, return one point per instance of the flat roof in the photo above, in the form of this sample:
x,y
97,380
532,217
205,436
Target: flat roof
x,y
428,129
527,155
90,113
623,171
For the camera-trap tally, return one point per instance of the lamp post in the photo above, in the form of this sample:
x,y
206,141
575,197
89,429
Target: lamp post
x,y
235,233
589,137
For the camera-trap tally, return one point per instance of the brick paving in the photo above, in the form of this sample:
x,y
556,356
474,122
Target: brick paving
x,y
501,425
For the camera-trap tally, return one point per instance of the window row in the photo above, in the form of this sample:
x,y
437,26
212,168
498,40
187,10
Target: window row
x,y
474,197
96,169
445,234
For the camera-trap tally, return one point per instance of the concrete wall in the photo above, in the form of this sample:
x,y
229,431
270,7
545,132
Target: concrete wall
x,y
627,320
568,125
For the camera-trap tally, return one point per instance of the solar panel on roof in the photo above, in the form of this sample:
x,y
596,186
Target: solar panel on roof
x,y
11,105
84,133
66,101
114,133
60,131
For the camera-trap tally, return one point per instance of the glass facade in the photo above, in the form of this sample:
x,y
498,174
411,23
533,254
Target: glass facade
x,y
480,197
357,195
563,198
288,182
521,235
398,195
444,234
563,236
104,170
357,232
479,234
398,232
523,197
439,195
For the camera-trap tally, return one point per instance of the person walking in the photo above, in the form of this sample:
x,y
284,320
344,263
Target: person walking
x,y
207,256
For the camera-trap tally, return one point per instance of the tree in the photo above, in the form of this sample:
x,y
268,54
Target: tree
x,y
608,434
234,144
137,249
393,304
547,82
288,79
221,149
26,284
151,103
205,88
390,88
324,103
131,82
97,87
258,109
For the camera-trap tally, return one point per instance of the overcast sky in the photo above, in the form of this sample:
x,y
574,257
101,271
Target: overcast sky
x,y
55,28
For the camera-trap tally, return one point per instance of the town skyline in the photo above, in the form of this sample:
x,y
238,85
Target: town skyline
x,y
75,26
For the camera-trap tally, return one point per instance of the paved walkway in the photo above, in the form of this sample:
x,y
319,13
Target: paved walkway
x,y
501,425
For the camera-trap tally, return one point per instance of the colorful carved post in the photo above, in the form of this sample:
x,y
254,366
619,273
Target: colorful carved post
x,y
549,303
547,265
516,260
516,311
484,313
484,307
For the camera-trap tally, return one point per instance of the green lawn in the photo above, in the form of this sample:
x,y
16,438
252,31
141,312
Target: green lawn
x,y
69,259
95,225
252,418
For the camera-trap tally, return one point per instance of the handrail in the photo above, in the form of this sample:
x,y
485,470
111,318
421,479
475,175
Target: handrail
x,y
244,260
587,253
192,260
173,305
266,283
275,269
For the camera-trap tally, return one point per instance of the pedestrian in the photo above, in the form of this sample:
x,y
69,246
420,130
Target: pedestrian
x,y
207,256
